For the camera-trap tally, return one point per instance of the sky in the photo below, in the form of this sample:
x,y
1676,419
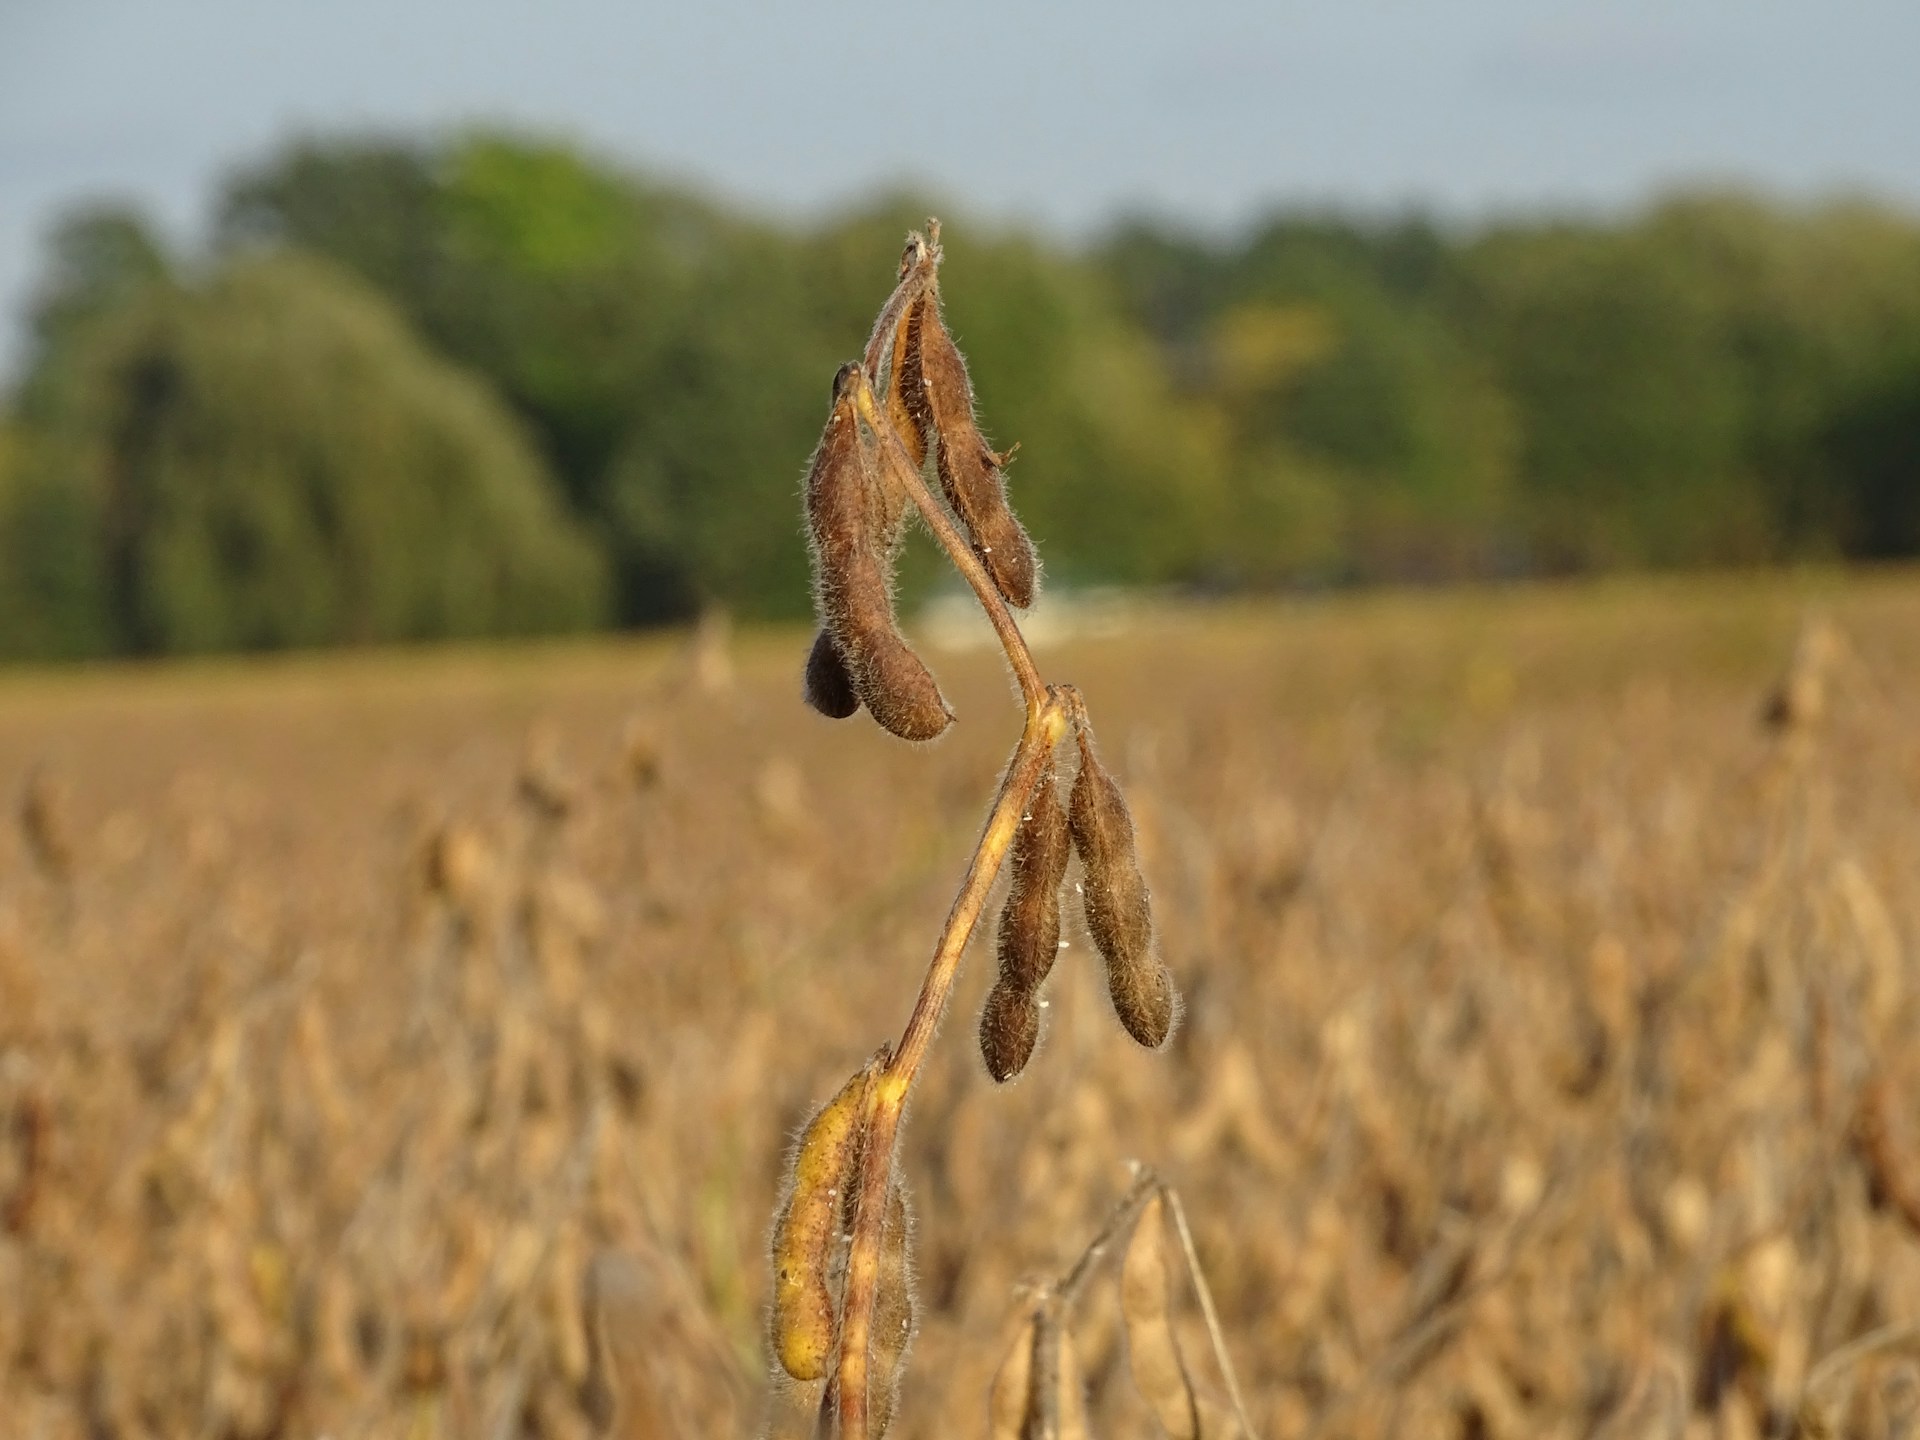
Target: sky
x,y
1064,115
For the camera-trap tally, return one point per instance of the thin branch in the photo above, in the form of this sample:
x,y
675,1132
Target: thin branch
x,y
1887,1337
1214,1331
1145,1182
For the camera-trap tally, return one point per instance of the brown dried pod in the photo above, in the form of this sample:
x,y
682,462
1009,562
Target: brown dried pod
x,y
886,357
938,397
1029,933
1038,1388
1010,1398
43,824
1009,1029
828,687
1119,913
856,516
904,407
893,1313
804,1322
1030,923
919,262
1153,1351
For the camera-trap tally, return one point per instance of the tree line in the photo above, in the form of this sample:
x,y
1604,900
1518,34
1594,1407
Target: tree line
x,y
490,385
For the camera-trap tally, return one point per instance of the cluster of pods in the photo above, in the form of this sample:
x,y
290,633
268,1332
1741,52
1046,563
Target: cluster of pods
x,y
1096,824
908,399
904,409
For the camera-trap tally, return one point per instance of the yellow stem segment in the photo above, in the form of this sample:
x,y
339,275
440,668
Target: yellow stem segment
x,y
887,1095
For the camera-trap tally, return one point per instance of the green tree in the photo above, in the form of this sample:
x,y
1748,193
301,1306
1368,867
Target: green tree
x,y
272,460
1366,439
1631,414
102,260
669,355
52,591
569,285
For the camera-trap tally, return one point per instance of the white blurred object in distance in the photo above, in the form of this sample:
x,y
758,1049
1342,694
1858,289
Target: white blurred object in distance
x,y
954,620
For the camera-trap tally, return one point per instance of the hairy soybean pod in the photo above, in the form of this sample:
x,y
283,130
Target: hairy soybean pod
x,y
856,515
804,1323
1009,1029
938,396
828,687
1119,914
919,262
904,405
1029,938
1030,923
893,1312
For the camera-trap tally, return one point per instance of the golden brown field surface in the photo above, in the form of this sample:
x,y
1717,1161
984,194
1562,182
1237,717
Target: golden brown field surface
x,y
407,1044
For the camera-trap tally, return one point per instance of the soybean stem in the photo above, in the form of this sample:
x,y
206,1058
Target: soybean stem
x,y
1048,715
887,1097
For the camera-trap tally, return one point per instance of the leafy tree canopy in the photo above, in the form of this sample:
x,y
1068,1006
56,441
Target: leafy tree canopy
x,y
270,459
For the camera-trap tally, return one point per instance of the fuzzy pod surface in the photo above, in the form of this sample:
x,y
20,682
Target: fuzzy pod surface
x,y
1119,911
893,1312
827,687
1009,1029
855,515
1029,934
904,407
938,397
803,1323
919,264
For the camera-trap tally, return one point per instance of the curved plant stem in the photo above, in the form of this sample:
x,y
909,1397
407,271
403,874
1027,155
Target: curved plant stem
x,y
1049,714
887,1096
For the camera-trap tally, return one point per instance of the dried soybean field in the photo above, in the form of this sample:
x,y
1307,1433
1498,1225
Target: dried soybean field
x,y
407,1045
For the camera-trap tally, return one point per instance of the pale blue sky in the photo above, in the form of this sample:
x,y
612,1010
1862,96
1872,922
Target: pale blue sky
x,y
1062,114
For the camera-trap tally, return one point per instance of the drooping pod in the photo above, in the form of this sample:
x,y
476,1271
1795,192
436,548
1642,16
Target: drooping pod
x,y
805,1321
856,514
1038,1381
1119,912
1153,1350
1009,1029
1029,937
937,396
827,687
893,1313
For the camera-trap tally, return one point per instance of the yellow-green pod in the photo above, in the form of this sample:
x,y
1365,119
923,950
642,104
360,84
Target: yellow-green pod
x,y
804,1323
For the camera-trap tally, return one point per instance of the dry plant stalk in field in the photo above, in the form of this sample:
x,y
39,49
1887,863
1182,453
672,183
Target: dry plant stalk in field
x,y
842,1312
1037,1393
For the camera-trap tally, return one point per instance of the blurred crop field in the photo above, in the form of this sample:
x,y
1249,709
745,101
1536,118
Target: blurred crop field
x,y
407,1045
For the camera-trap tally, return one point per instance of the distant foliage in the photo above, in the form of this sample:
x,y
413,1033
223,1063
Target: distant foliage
x,y
270,459
1321,400
1718,380
668,354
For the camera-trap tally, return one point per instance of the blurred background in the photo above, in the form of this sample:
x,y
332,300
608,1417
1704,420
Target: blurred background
x,y
369,322
1472,448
